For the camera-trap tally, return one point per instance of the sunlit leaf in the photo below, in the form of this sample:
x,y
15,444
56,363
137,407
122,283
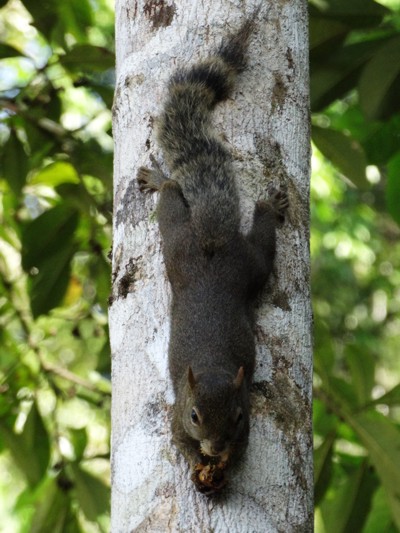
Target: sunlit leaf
x,y
79,441
55,174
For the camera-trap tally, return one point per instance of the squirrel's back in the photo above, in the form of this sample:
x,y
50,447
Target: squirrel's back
x,y
194,152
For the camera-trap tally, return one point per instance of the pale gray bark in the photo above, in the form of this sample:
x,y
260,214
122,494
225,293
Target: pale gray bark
x,y
267,126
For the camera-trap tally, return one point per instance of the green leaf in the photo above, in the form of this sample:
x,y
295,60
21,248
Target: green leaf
x,y
343,392
325,33
52,508
362,369
101,272
8,51
382,440
380,518
30,449
345,153
48,247
87,57
15,163
90,158
355,13
48,287
93,495
47,235
347,510
381,142
41,142
393,187
79,442
76,16
323,466
377,79
338,70
55,174
390,398
104,91
44,14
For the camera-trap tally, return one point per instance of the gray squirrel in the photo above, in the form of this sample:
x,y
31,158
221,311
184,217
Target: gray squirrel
x,y
215,271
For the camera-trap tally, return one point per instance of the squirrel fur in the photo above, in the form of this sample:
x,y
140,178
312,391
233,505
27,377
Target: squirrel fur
x,y
215,271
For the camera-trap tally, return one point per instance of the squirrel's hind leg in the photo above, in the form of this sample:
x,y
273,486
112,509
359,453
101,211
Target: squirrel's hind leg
x,y
173,213
262,236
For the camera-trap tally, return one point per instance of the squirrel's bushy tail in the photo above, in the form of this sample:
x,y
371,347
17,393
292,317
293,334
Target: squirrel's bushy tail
x,y
193,93
195,154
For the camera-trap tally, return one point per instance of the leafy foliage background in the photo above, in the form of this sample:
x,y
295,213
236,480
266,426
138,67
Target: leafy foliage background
x,y
55,234
56,87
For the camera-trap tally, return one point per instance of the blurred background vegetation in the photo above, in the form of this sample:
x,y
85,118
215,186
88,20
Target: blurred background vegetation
x,y
56,87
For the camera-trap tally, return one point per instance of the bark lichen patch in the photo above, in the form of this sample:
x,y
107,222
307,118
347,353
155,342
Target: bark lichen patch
x,y
159,13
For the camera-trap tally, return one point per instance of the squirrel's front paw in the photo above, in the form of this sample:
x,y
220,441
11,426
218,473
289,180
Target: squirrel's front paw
x,y
279,201
151,178
144,178
210,478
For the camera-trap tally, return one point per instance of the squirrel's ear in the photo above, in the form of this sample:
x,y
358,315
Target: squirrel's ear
x,y
239,378
191,378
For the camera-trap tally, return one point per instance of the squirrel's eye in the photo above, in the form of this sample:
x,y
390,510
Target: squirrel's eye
x,y
194,416
239,416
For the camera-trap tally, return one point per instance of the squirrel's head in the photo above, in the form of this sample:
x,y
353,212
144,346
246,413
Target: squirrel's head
x,y
216,410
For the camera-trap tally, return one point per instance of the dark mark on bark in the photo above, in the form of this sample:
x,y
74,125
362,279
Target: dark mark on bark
x,y
159,13
126,282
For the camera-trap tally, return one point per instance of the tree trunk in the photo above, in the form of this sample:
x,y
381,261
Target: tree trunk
x,y
267,127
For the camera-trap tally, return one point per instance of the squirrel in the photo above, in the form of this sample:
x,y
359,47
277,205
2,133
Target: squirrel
x,y
214,270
